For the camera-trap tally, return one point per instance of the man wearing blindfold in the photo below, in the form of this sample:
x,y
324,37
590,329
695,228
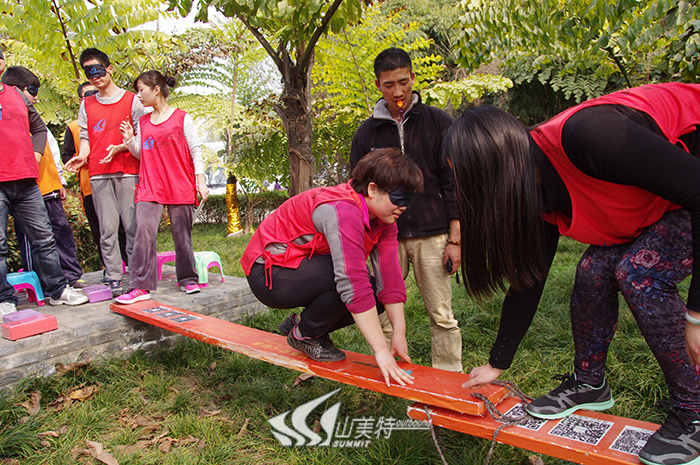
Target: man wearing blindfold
x,y
429,233
113,170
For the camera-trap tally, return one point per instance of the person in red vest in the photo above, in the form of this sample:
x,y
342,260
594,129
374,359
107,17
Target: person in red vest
x,y
622,174
312,252
171,173
51,185
113,170
24,139
70,149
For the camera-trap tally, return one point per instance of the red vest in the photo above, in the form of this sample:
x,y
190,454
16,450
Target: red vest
x,y
166,175
103,130
16,151
606,213
294,218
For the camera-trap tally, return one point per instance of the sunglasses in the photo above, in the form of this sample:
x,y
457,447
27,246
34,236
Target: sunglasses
x,y
399,197
94,71
32,90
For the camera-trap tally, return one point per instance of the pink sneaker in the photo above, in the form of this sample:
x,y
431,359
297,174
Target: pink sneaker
x,y
133,295
190,288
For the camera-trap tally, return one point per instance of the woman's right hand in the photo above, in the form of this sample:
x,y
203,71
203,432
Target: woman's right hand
x,y
481,376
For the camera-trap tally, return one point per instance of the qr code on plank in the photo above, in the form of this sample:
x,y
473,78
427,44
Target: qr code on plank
x,y
532,423
631,440
582,429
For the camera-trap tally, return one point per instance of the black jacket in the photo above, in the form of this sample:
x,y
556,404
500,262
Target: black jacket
x,y
424,130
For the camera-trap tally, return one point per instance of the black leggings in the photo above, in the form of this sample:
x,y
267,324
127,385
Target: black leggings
x,y
312,286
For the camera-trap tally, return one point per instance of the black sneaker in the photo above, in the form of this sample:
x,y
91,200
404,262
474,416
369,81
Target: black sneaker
x,y
570,396
287,325
676,442
320,349
115,286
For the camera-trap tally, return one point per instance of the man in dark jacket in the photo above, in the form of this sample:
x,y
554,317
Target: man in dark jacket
x,y
429,234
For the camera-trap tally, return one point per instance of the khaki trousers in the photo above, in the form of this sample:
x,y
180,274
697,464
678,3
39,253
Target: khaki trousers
x,y
426,255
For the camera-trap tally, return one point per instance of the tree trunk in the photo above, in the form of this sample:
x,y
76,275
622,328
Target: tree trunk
x,y
296,115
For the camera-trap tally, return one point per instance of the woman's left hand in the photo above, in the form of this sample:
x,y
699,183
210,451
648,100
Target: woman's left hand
x,y
390,369
692,344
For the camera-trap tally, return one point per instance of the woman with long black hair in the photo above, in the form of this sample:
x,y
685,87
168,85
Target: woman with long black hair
x,y
621,173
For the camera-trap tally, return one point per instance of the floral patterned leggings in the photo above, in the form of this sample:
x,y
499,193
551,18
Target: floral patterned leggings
x,y
647,272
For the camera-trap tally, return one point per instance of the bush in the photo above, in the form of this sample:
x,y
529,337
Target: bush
x,y
214,210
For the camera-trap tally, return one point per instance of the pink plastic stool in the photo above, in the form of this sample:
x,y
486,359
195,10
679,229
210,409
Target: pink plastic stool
x,y
164,257
27,281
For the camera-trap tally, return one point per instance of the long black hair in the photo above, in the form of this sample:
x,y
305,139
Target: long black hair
x,y
498,201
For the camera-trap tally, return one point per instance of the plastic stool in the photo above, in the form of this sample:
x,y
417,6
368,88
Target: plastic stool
x,y
205,260
29,281
164,257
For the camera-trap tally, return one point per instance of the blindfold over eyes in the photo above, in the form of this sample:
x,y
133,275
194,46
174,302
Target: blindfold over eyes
x,y
400,197
94,71
90,92
33,90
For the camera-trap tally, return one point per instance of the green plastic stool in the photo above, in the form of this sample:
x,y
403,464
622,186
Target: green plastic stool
x,y
205,260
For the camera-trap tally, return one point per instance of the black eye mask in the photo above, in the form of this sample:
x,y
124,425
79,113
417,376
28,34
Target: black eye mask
x,y
400,197
94,71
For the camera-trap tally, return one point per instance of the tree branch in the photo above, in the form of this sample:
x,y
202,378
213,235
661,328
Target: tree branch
x,y
266,45
65,36
304,61
620,66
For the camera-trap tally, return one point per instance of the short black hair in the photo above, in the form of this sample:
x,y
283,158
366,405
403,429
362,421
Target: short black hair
x,y
391,59
389,169
20,77
94,54
81,87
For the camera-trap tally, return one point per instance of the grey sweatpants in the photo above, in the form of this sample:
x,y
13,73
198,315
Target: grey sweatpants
x,y
114,199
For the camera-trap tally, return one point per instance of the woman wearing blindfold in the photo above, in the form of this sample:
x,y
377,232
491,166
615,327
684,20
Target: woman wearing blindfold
x,y
312,252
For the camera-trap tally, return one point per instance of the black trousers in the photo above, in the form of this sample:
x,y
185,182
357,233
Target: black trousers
x,y
311,286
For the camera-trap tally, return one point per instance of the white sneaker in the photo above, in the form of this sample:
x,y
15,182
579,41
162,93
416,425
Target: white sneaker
x,y
69,297
6,308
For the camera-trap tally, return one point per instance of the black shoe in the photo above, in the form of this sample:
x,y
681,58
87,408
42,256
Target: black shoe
x,y
571,395
320,349
115,286
676,442
286,326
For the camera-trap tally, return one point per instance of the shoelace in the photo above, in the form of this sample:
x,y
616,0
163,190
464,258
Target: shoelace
x,y
678,421
568,382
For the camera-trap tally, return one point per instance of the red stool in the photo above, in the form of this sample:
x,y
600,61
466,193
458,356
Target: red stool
x,y
164,257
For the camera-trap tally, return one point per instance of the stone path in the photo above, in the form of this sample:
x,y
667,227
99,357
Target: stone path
x,y
91,331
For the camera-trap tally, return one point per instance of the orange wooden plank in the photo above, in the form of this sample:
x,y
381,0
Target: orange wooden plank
x,y
432,386
586,437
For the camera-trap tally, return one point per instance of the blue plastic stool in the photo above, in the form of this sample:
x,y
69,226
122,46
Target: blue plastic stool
x,y
29,281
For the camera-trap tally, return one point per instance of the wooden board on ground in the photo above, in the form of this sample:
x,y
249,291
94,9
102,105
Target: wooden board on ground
x,y
432,386
591,438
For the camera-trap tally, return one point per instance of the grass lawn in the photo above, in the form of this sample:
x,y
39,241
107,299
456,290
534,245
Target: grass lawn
x,y
198,404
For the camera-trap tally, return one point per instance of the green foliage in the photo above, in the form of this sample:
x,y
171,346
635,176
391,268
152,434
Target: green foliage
x,y
581,48
48,36
455,93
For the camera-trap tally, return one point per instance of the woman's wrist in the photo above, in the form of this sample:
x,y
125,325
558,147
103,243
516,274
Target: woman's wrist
x,y
692,319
